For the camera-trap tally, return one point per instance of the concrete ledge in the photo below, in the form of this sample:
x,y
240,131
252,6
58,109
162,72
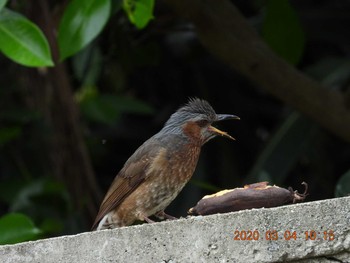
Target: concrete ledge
x,y
208,239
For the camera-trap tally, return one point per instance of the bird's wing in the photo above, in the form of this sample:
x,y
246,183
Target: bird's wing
x,y
129,178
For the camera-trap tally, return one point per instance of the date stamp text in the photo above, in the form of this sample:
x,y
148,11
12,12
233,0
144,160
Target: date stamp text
x,y
255,235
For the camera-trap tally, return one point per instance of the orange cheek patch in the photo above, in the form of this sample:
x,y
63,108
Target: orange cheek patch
x,y
192,130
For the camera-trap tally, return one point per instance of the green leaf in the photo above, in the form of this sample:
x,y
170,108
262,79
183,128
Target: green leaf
x,y
140,12
82,21
282,30
2,4
16,228
343,185
42,199
22,41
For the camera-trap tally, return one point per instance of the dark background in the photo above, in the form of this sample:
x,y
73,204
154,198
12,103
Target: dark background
x,y
128,82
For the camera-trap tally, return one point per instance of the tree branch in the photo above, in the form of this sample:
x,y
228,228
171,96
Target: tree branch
x,y
226,33
69,156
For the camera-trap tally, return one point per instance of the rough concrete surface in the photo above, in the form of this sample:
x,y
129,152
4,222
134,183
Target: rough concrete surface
x,y
209,239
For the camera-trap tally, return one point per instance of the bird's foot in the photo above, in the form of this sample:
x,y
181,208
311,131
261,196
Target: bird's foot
x,y
162,215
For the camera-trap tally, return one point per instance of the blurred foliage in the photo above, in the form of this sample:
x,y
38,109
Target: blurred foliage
x,y
282,30
128,81
140,12
16,228
2,3
107,108
286,146
343,185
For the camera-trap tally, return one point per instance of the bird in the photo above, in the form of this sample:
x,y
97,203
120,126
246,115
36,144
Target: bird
x,y
158,170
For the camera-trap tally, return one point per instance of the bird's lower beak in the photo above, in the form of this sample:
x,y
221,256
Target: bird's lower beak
x,y
221,133
222,117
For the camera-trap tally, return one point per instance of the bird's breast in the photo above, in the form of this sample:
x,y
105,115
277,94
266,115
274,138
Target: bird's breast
x,y
170,171
179,164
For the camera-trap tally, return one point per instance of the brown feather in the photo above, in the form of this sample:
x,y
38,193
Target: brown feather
x,y
129,178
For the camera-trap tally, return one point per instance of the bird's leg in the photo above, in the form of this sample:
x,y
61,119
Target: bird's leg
x,y
148,220
162,215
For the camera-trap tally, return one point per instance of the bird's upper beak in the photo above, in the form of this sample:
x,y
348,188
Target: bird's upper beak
x,y
221,117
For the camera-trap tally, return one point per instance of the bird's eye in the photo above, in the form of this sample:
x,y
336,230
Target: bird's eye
x,y
202,123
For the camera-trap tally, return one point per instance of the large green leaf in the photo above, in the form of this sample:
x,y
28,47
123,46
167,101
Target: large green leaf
x,y
2,3
140,12
22,41
343,185
282,30
82,21
16,228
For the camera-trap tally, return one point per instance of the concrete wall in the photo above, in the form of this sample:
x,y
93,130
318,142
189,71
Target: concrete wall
x,y
208,239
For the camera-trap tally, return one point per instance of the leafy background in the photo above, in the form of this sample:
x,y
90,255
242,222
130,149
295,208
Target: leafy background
x,y
85,82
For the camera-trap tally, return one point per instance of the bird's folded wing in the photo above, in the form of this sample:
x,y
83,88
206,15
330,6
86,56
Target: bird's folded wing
x,y
129,178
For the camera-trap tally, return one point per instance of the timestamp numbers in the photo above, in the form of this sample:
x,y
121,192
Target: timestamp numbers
x,y
250,235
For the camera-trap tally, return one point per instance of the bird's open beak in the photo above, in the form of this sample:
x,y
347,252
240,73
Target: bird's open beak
x,y
221,117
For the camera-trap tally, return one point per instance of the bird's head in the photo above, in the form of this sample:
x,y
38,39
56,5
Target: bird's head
x,y
194,120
